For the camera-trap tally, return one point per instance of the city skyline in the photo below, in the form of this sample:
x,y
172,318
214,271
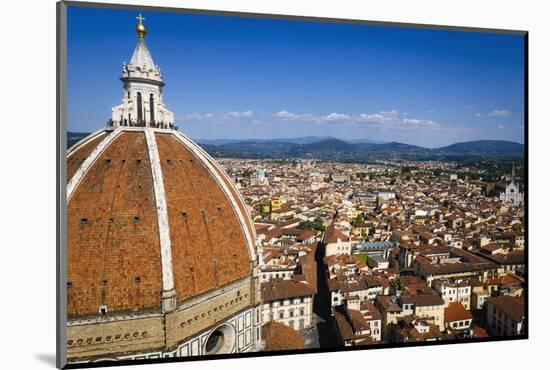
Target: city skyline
x,y
176,249
243,78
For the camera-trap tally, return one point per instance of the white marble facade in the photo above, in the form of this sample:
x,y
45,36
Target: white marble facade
x,y
512,194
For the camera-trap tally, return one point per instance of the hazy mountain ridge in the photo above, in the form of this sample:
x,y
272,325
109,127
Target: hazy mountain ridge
x,y
329,148
487,147
298,140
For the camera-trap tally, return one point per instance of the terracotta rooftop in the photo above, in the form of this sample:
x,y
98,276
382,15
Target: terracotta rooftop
x,y
332,235
513,307
456,312
280,337
278,289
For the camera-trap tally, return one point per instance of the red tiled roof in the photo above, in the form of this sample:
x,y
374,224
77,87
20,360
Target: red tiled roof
x,y
113,251
279,337
456,312
513,307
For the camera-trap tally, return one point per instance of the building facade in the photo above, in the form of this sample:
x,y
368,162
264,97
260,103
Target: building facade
x,y
288,302
512,194
506,315
336,242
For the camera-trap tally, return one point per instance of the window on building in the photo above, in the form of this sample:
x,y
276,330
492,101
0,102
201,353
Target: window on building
x,y
152,107
103,310
139,107
281,315
215,342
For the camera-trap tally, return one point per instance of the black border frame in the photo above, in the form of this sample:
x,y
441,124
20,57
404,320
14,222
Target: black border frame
x,y
61,117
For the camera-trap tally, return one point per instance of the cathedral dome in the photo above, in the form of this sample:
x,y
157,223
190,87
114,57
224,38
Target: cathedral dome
x,y
150,213
160,245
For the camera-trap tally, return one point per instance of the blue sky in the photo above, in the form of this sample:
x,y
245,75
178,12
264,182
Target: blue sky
x,y
232,77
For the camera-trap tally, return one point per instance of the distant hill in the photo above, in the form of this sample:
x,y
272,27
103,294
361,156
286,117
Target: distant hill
x,y
329,148
484,147
75,137
298,140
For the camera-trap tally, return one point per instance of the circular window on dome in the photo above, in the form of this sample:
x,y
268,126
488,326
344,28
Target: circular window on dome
x,y
221,340
214,342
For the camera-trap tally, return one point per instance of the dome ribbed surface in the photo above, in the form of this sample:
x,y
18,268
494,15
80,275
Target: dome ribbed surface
x,y
114,236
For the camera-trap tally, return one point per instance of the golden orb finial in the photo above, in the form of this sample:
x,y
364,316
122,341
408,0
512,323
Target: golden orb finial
x,y
140,28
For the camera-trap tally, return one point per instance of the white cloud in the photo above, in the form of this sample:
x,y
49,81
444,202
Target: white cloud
x,y
284,115
388,119
336,117
420,123
236,114
499,113
375,118
495,113
215,117
304,117
380,118
502,127
191,117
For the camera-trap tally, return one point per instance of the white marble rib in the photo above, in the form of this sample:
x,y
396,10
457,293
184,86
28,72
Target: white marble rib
x,y
162,212
87,139
75,180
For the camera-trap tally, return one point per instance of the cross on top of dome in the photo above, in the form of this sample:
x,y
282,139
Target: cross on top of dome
x,y
140,28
